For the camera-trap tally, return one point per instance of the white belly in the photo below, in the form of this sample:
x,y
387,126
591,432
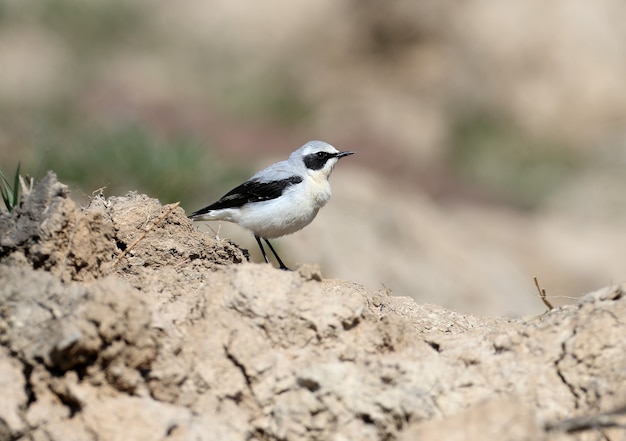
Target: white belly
x,y
291,212
285,215
294,210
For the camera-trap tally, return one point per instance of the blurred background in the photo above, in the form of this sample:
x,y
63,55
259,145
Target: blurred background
x,y
490,136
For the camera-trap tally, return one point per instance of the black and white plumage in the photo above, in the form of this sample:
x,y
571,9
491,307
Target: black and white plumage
x,y
280,199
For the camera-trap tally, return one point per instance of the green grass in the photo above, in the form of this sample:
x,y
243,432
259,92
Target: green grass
x,y
132,158
508,163
11,192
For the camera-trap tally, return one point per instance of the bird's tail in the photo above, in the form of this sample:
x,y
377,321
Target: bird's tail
x,y
206,214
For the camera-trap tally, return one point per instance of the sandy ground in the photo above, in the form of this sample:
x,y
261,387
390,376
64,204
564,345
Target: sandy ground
x,y
122,321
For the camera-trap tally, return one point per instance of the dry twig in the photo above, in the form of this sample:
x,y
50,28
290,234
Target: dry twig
x,y
542,294
146,230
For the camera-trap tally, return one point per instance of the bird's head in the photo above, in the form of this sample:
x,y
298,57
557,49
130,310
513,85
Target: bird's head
x,y
318,157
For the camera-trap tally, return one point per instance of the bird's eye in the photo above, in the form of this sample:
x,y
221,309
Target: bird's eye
x,y
321,155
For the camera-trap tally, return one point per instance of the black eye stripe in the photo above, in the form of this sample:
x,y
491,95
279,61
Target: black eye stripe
x,y
316,161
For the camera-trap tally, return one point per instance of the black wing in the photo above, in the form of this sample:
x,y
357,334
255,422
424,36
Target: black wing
x,y
250,191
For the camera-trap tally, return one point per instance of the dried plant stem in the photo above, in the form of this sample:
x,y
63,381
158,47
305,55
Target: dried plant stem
x,y
168,209
542,294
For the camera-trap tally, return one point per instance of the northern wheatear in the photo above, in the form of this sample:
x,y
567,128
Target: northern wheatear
x,y
280,199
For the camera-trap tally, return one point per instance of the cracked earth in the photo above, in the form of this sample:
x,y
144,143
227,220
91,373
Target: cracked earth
x,y
121,321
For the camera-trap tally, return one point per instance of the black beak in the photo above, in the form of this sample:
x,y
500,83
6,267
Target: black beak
x,y
342,154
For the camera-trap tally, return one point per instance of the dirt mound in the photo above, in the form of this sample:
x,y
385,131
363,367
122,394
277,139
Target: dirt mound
x,y
122,321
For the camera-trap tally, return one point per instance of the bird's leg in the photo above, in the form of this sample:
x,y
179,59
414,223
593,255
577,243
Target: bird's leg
x,y
258,240
280,262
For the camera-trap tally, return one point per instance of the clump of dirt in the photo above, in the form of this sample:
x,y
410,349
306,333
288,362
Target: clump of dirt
x,y
49,232
123,321
117,235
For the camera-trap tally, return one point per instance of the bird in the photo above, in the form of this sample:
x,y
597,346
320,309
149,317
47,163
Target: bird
x,y
280,199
